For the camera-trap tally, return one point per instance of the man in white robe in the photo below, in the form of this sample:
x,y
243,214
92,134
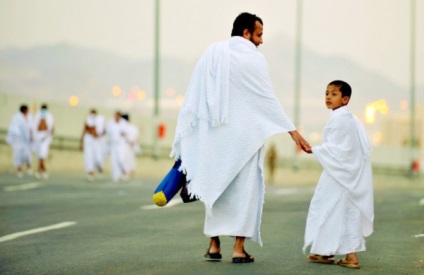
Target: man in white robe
x,y
229,111
341,212
93,143
43,135
117,132
19,137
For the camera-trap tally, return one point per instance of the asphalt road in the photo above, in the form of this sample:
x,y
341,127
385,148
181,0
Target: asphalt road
x,y
65,225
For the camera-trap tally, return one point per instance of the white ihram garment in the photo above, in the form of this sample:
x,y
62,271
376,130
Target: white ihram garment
x,y
117,132
132,147
341,212
19,137
43,138
94,146
228,113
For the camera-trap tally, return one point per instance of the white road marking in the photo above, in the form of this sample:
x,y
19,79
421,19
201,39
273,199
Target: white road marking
x,y
35,231
172,203
22,187
419,236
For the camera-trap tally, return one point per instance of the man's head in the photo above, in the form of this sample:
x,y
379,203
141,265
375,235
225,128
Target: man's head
x,y
337,94
126,117
118,115
248,26
23,109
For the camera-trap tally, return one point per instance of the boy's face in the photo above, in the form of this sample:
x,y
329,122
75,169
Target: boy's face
x,y
334,98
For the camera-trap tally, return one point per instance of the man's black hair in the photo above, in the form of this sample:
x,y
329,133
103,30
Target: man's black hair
x,y
344,88
244,21
23,108
44,106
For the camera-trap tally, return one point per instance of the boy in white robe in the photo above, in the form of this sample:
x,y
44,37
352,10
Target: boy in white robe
x,y
43,134
228,113
92,143
117,132
19,137
341,212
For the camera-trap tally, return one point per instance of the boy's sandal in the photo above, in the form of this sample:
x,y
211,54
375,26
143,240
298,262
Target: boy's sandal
x,y
314,258
345,263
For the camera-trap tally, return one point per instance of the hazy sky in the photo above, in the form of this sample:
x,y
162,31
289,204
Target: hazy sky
x,y
374,33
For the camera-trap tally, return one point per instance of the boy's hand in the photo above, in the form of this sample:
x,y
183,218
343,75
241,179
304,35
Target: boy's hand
x,y
300,141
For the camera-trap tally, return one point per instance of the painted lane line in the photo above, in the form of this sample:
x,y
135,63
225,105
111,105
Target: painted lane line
x,y
172,203
35,231
419,236
22,187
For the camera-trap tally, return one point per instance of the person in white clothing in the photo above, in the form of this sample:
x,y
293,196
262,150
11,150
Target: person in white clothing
x,y
341,212
229,112
92,143
43,134
117,134
19,137
132,148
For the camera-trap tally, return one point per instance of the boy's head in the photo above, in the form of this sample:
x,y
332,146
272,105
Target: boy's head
x,y
337,94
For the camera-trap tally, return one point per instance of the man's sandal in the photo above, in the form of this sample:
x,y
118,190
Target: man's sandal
x,y
314,258
243,260
212,256
345,263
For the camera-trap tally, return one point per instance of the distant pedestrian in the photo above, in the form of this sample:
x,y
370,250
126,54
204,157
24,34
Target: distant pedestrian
x,y
43,135
341,213
19,137
117,135
132,148
93,143
271,160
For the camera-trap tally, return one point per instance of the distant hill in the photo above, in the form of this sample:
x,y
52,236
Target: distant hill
x,y
54,73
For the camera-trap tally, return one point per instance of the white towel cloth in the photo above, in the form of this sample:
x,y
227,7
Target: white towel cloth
x,y
42,139
229,111
341,212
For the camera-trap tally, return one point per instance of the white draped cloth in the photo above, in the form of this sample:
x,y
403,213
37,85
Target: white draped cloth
x,y
117,132
229,111
20,138
43,138
95,146
132,147
341,212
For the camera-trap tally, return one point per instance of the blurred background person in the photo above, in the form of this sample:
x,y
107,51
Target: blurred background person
x,y
19,137
271,160
92,143
116,130
132,147
43,135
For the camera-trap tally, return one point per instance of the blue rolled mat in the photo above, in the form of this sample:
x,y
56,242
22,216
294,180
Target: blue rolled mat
x,y
169,186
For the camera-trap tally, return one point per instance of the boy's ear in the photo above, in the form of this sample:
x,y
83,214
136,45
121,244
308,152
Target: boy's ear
x,y
345,100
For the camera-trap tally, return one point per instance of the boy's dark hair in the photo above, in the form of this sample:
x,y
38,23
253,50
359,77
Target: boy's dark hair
x,y
44,106
23,108
244,21
343,87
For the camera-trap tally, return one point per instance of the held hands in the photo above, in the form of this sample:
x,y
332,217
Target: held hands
x,y
300,141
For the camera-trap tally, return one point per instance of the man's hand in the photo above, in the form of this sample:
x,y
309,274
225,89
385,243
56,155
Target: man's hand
x,y
300,141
